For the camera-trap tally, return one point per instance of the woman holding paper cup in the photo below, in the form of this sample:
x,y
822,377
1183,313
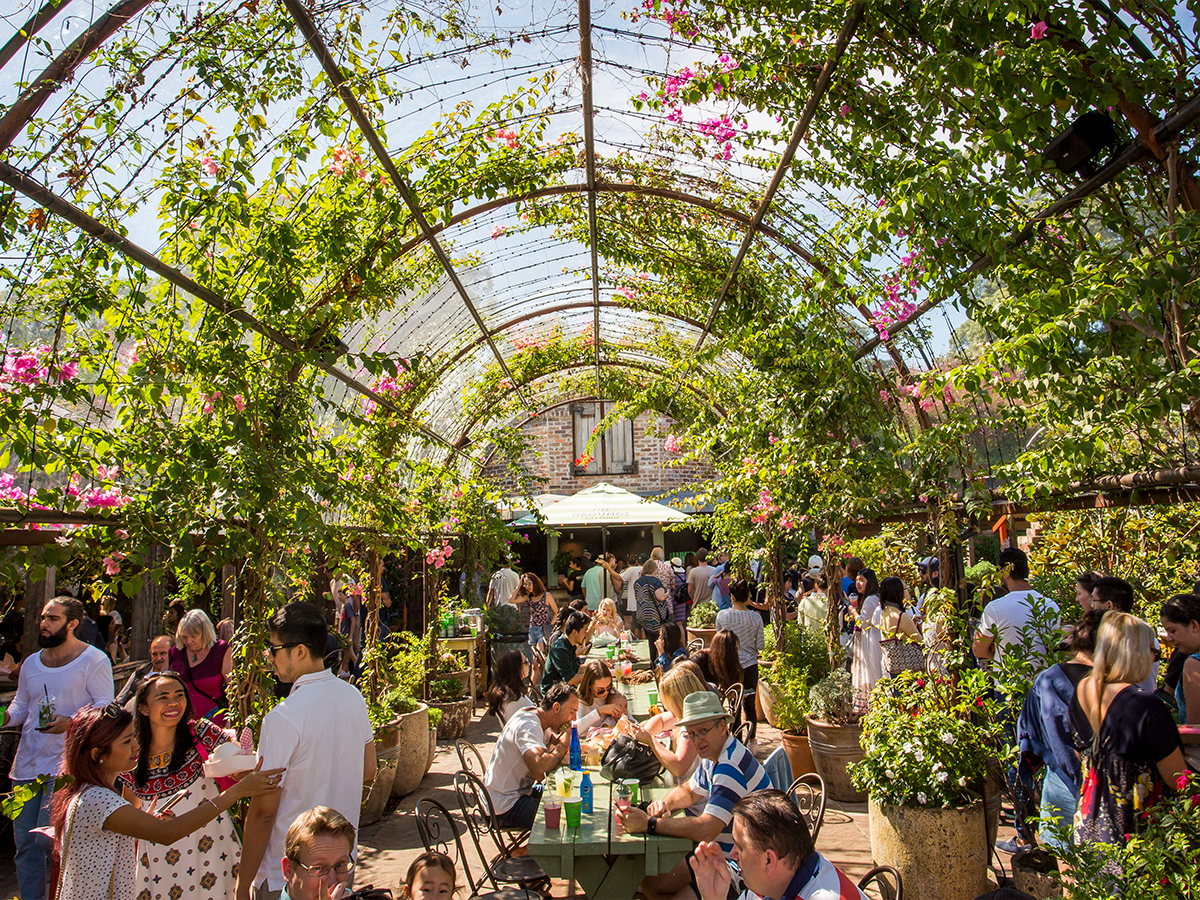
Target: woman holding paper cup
x,y
172,751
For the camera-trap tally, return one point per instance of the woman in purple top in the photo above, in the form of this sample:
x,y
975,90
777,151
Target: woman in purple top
x,y
205,663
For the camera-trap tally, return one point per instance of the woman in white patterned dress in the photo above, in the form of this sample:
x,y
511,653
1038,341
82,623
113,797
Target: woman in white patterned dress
x,y
173,748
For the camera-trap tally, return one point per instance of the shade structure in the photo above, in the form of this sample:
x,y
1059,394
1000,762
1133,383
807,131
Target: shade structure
x,y
515,505
606,504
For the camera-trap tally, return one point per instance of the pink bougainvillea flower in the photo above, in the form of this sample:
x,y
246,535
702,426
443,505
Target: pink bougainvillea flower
x,y
68,370
885,396
926,403
498,231
238,403
106,498
671,444
208,406
112,564
107,473
208,165
121,534
845,110
1038,30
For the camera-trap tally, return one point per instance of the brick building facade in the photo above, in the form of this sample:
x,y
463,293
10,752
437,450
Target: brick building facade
x,y
554,436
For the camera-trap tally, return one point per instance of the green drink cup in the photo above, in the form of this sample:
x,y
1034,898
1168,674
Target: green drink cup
x,y
573,811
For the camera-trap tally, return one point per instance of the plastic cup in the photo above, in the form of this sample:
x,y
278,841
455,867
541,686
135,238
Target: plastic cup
x,y
652,696
553,807
573,807
564,778
633,785
611,652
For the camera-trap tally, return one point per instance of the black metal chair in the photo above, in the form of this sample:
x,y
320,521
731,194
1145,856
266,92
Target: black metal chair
x,y
502,867
885,880
733,700
694,645
469,757
440,832
808,793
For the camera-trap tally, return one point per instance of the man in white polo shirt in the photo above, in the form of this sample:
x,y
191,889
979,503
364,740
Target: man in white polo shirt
x,y
313,734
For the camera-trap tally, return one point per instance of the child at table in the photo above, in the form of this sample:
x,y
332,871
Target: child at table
x,y
430,877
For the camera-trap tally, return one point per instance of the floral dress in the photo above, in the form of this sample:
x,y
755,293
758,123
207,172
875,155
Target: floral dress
x,y
1121,780
205,863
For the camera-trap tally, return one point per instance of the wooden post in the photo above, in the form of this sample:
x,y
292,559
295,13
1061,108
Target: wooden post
x,y
148,604
36,595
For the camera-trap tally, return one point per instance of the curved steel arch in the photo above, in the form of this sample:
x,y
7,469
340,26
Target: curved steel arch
x,y
462,442
558,308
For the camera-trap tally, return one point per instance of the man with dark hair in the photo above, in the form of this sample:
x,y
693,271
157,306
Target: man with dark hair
x,y
523,755
775,851
1112,593
63,677
1006,617
562,660
314,734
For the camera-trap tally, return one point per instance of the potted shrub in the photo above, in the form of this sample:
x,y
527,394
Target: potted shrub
x,y
702,622
834,734
926,744
800,659
408,656
449,695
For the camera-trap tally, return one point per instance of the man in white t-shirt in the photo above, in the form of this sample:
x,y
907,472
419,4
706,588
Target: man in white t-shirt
x,y
502,585
70,675
1005,617
320,734
523,756
628,577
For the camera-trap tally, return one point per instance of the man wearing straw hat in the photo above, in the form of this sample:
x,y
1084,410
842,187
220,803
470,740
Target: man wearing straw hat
x,y
727,773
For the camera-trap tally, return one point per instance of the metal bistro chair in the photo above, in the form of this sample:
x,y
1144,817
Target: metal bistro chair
x,y
885,880
694,645
808,793
732,699
440,832
469,757
501,866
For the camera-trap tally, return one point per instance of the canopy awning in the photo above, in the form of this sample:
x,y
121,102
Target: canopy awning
x,y
605,504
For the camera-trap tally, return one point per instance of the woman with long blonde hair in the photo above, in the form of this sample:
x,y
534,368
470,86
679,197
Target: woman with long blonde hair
x,y
680,757
607,620
1129,744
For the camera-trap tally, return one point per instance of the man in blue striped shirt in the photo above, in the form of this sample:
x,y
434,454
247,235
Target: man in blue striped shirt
x,y
727,773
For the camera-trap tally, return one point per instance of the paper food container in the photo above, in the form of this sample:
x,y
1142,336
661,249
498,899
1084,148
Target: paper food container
x,y
229,759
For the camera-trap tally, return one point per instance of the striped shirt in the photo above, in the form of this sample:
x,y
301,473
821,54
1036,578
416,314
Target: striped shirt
x,y
748,626
817,879
735,774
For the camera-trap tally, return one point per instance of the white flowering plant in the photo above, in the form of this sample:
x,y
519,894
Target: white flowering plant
x,y
927,740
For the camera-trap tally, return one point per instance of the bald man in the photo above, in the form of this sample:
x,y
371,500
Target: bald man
x,y
160,649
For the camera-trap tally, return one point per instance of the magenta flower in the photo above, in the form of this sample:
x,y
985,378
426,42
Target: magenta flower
x,y
1038,30
208,165
672,445
845,110
498,231
238,403
107,473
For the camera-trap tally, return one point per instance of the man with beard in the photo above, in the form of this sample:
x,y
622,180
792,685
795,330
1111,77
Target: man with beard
x,y
64,676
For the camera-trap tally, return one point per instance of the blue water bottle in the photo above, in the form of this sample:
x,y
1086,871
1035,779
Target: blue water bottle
x,y
576,750
585,793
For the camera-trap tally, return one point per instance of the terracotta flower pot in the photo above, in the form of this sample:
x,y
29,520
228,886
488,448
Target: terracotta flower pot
x,y
456,716
705,634
833,748
940,853
798,751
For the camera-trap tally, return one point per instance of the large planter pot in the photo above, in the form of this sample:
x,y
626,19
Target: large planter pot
x,y
387,749
705,634
463,677
456,716
833,748
765,701
940,853
798,752
414,745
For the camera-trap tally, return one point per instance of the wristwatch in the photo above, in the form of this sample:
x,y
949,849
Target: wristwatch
x,y
652,825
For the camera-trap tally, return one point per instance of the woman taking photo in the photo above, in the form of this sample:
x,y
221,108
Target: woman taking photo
x,y
204,662
542,608
97,829
599,704
867,661
679,756
1180,618
172,750
508,692
1128,742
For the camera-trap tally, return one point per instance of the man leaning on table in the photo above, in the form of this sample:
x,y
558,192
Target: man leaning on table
x,y
727,772
775,852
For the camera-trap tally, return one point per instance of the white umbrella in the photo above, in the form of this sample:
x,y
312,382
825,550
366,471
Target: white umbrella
x,y
605,504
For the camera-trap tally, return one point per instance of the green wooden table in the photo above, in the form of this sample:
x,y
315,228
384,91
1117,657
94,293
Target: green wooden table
x,y
638,696
639,648
605,863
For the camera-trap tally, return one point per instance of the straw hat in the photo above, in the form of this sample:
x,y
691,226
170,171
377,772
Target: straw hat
x,y
702,706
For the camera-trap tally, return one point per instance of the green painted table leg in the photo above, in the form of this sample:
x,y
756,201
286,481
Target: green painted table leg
x,y
600,881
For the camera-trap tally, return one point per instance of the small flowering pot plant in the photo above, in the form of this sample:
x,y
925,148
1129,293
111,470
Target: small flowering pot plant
x,y
927,740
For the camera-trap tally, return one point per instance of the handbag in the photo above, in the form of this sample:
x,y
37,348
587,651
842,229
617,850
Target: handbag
x,y
626,758
900,655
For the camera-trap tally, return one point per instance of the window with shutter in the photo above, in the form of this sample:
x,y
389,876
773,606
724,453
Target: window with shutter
x,y
612,453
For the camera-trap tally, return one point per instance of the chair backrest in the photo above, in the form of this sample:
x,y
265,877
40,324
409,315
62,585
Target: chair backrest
x,y
885,881
476,807
694,645
469,757
808,793
733,699
779,769
439,832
